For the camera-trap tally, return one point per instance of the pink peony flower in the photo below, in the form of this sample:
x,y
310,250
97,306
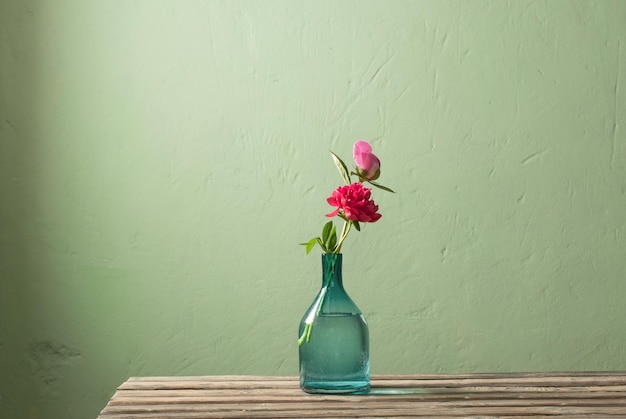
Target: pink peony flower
x,y
367,164
354,203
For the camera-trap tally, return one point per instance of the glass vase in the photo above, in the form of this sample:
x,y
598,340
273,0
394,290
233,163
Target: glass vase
x,y
333,338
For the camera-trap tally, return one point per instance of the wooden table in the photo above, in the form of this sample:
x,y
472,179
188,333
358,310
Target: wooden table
x,y
520,395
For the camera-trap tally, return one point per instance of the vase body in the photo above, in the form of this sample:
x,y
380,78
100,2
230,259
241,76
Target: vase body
x,y
335,356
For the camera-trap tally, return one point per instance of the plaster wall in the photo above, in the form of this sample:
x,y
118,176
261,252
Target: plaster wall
x,y
161,160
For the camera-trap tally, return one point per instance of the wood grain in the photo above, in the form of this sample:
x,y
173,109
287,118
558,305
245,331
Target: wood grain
x,y
499,395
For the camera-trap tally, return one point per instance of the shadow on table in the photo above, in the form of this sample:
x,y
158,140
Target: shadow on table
x,y
394,391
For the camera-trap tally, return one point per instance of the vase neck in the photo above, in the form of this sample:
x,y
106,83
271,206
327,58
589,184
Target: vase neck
x,y
331,270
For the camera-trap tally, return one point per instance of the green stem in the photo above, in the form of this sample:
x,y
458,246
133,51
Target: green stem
x,y
308,327
347,225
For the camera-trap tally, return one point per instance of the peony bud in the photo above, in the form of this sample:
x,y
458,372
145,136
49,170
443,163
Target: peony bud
x,y
367,164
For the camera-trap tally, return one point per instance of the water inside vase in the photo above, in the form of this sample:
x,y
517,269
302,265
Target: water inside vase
x,y
336,359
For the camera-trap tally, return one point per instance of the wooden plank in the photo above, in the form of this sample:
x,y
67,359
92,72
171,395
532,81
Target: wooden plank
x,y
273,396
431,412
399,411
500,405
383,382
510,395
520,391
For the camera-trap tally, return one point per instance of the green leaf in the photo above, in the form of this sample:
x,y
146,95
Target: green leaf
x,y
332,240
343,169
356,225
309,245
384,188
326,231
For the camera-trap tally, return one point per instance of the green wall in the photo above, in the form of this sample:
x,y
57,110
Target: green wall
x,y
161,161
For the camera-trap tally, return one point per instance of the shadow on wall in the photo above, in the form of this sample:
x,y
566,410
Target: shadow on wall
x,y
31,361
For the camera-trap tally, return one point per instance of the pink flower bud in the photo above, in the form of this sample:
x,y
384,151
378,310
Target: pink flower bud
x,y
367,164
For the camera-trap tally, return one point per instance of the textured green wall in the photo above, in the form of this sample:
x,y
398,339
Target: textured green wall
x,y
161,161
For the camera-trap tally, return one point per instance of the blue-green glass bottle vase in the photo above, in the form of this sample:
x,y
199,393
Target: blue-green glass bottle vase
x,y
334,338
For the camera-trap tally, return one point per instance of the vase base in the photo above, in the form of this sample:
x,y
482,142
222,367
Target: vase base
x,y
335,387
